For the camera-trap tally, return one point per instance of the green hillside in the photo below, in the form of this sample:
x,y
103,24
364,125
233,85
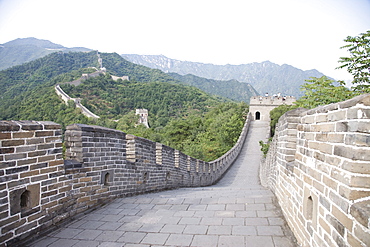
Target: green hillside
x,y
181,116
19,51
114,99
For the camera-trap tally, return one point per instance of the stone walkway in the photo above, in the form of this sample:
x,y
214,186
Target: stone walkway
x,y
237,211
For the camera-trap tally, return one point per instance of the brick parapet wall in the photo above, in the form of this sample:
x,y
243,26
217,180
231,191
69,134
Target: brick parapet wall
x,y
137,165
39,189
324,191
33,187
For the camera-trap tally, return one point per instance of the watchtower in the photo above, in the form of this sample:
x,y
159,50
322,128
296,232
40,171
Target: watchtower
x,y
143,119
260,106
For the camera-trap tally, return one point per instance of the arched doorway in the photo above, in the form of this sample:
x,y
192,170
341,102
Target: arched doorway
x,y
258,115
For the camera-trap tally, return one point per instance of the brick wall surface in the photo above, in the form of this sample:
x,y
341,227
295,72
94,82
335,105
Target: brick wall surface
x,y
318,166
38,188
32,183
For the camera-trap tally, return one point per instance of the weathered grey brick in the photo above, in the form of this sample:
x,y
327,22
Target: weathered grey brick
x,y
361,211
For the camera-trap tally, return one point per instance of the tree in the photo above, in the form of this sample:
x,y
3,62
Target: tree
x,y
276,113
128,122
358,63
322,91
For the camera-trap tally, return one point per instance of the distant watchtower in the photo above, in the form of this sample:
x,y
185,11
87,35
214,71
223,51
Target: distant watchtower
x,y
143,116
260,106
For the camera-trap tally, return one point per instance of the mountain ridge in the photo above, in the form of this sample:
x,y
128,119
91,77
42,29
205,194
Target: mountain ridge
x,y
231,89
20,51
23,50
264,76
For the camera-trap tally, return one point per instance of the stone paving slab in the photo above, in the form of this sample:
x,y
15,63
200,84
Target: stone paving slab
x,y
237,211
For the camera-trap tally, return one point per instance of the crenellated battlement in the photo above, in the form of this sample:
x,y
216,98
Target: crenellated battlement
x,y
272,100
260,106
39,189
317,166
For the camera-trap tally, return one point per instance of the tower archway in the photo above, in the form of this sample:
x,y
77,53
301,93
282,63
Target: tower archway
x,y
257,115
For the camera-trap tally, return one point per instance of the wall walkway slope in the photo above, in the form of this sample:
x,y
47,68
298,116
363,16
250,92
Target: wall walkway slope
x,y
318,166
38,189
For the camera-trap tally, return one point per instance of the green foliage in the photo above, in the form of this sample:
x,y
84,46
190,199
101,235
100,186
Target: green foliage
x,y
22,78
210,136
205,136
21,51
265,147
28,90
114,99
276,113
42,104
116,65
317,92
322,91
358,63
128,121
181,116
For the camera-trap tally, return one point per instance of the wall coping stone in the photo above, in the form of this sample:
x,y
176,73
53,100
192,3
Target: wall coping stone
x,y
9,126
13,125
93,128
361,212
361,99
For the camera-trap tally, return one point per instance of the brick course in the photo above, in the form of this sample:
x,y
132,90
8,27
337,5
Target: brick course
x,y
331,172
39,189
22,163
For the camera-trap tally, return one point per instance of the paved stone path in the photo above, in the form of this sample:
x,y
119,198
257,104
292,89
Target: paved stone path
x,y
237,211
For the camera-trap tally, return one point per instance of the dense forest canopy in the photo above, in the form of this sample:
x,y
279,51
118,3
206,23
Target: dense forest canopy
x,y
113,99
180,116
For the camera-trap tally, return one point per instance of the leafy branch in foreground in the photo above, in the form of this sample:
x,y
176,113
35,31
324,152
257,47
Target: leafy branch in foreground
x,y
358,63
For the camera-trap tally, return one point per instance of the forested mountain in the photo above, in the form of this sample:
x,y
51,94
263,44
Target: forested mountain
x,y
20,51
264,77
27,90
180,116
164,100
24,50
232,89
26,82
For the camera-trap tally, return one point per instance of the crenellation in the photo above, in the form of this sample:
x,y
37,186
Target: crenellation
x,y
77,184
317,166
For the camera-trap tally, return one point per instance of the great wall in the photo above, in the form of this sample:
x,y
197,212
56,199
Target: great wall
x,y
39,188
318,167
65,97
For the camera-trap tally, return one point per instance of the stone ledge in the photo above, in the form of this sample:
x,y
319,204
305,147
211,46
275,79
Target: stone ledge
x,y
361,212
361,99
94,128
27,125
9,126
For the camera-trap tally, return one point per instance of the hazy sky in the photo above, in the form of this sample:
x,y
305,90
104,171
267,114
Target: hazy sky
x,y
307,34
